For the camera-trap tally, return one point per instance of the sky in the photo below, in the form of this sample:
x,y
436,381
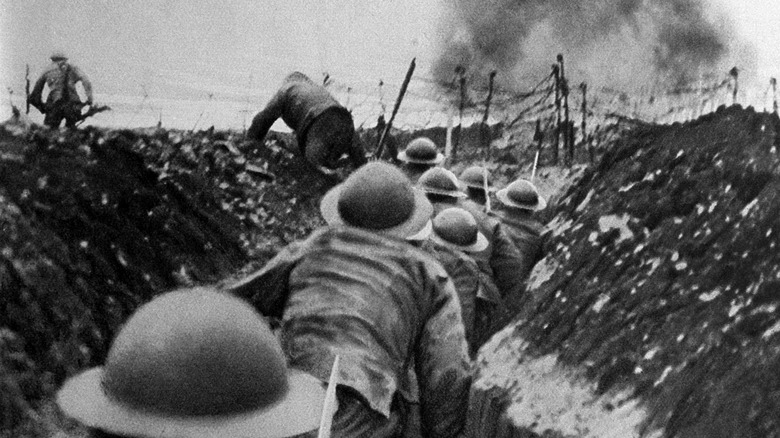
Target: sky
x,y
193,48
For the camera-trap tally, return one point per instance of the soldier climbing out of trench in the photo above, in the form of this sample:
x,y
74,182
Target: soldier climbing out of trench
x,y
63,101
324,129
359,290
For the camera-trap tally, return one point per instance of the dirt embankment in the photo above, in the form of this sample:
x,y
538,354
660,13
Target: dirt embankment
x,y
655,311
96,222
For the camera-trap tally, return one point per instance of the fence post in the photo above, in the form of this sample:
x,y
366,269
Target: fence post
x,y
734,72
484,128
557,75
460,72
538,138
773,83
568,145
583,128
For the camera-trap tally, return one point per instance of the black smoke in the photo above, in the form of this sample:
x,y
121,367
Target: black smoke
x,y
608,42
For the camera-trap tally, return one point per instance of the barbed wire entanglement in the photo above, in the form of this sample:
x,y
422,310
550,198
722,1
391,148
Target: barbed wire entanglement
x,y
563,122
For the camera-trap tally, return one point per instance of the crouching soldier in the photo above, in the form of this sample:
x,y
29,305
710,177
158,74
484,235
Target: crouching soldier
x,y
194,363
519,200
359,290
454,239
323,127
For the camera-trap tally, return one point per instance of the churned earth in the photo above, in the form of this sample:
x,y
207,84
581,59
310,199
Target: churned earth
x,y
97,221
655,310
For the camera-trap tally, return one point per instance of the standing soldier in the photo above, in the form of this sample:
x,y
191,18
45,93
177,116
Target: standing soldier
x,y
359,290
518,201
420,155
63,101
194,363
323,127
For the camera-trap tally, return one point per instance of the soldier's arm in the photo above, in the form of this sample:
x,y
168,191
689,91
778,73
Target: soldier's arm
x,y
442,365
37,92
263,120
356,152
80,76
267,289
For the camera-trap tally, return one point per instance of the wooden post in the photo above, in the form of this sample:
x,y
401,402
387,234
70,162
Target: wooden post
x,y
27,88
557,75
585,140
734,72
401,93
773,83
568,131
538,137
484,128
460,71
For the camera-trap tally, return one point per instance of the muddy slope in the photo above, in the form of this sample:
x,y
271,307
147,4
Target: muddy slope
x,y
654,312
96,222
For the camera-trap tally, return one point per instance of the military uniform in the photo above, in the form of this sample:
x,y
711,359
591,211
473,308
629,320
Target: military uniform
x,y
525,232
386,308
476,291
63,101
323,127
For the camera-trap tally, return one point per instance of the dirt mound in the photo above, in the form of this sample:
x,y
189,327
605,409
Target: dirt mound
x,y
96,222
654,312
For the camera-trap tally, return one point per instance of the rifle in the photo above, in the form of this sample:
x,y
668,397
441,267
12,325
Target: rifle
x,y
93,109
381,144
329,406
27,88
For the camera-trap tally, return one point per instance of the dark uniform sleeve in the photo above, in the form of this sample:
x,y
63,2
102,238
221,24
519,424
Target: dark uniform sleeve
x,y
267,289
507,263
37,93
263,120
442,364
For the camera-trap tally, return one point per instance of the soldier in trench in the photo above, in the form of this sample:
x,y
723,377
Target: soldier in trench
x,y
359,290
194,363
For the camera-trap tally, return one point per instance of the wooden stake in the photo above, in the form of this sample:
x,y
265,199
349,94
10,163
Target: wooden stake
x,y
557,74
401,93
329,406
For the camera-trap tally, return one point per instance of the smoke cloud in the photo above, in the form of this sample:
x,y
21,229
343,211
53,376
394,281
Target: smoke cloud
x,y
618,43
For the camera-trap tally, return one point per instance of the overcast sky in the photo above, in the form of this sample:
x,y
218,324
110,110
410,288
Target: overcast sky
x,y
181,47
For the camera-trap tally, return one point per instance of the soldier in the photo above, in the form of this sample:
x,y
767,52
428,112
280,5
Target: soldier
x,y
442,188
420,155
518,201
323,127
357,289
63,101
454,238
475,178
502,261
194,363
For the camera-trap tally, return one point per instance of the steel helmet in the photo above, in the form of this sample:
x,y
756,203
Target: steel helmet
x,y
58,55
457,228
522,194
380,198
421,150
194,362
440,181
474,177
